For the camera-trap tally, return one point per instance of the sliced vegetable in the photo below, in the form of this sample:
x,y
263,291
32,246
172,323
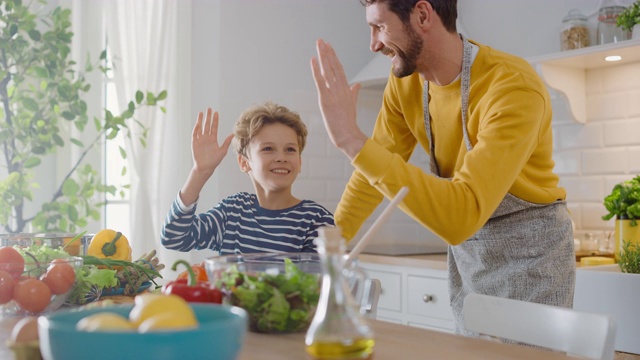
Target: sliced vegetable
x,y
192,290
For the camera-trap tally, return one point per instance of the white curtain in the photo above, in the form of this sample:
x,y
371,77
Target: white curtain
x,y
145,37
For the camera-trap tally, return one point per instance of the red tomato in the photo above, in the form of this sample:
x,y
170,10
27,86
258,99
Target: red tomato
x,y
32,295
6,287
11,261
60,276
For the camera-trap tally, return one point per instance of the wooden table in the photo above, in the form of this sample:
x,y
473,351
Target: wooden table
x,y
393,341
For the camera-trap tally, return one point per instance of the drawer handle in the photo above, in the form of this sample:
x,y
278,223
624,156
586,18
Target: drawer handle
x,y
427,298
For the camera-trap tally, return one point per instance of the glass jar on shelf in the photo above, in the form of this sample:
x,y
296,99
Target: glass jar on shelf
x,y
574,32
607,30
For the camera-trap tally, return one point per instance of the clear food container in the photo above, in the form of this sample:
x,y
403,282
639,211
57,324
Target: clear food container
x,y
574,33
607,30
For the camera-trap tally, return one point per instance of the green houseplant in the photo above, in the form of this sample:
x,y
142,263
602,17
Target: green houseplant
x,y
624,203
629,260
41,91
629,17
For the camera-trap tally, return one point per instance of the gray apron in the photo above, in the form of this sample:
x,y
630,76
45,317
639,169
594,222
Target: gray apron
x,y
524,251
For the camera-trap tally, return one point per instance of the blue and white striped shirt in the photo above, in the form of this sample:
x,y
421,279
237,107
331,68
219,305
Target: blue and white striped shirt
x,y
238,225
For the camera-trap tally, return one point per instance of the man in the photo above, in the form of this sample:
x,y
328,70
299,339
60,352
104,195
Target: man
x,y
484,117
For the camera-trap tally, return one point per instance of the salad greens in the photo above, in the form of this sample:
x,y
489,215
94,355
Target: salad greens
x,y
35,255
90,281
279,303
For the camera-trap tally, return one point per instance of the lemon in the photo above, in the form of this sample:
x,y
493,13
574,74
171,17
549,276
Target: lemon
x,y
167,321
105,321
148,304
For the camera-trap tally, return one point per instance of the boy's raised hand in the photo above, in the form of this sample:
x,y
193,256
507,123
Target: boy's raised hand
x,y
207,153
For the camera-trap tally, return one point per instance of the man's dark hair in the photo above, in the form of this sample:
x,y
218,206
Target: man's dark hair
x,y
447,10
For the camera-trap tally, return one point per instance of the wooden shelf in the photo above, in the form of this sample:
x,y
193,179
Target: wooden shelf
x,y
566,71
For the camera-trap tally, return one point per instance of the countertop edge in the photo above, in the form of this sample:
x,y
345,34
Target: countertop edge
x,y
435,262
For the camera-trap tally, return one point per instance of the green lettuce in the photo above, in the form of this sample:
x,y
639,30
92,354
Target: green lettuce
x,y
276,303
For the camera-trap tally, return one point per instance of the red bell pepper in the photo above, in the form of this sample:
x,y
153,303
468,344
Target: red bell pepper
x,y
201,273
191,289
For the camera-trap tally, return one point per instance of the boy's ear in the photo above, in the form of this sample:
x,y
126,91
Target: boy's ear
x,y
243,164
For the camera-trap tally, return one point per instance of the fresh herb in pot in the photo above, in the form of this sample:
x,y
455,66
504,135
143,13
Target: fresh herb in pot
x,y
629,17
624,201
629,261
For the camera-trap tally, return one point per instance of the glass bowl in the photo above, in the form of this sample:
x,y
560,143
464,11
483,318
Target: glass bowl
x,y
279,291
52,240
32,286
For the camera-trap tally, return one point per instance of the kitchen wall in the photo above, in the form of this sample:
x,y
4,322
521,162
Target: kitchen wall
x,y
244,52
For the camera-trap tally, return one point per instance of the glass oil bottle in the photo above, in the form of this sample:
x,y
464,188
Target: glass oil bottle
x,y
337,331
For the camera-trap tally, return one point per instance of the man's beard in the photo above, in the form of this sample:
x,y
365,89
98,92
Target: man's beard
x,y
409,59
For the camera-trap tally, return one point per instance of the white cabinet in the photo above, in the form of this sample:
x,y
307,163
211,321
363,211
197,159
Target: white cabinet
x,y
412,296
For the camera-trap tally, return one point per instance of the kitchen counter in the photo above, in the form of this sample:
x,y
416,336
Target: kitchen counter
x,y
395,341
437,261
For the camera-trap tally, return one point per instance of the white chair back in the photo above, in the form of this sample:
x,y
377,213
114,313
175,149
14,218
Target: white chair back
x,y
370,297
575,332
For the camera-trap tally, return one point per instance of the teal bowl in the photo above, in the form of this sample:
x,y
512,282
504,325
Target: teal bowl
x,y
220,335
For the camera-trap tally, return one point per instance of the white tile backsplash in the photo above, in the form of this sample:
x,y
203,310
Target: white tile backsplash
x,y
606,148
584,189
634,160
604,161
578,136
567,162
621,133
634,105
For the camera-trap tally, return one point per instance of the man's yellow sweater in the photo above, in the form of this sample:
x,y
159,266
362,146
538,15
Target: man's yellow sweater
x,y
509,125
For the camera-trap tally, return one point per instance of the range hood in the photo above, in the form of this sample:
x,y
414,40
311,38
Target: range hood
x,y
374,75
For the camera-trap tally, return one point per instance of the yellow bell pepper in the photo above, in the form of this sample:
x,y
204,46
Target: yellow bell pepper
x,y
110,244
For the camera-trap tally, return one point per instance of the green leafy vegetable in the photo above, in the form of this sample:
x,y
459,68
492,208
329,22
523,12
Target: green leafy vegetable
x,y
629,261
38,257
90,281
624,201
276,303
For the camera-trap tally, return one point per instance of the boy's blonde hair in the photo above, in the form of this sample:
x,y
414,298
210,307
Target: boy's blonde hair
x,y
257,116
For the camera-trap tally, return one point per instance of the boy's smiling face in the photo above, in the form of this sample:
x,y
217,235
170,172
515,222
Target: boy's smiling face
x,y
273,158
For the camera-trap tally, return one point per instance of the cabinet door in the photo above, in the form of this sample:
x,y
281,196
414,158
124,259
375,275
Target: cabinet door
x,y
428,296
391,294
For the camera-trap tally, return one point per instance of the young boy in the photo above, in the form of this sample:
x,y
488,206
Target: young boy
x,y
268,140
